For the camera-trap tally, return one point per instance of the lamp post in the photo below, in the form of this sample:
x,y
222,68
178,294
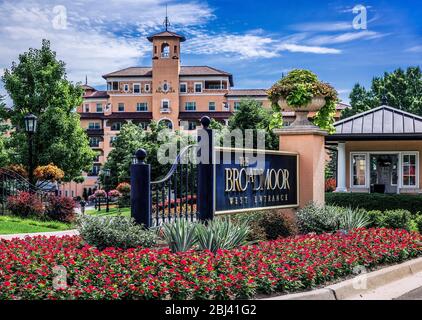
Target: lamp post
x,y
30,128
107,174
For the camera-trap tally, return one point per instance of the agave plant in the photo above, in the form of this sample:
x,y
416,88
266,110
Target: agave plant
x,y
179,235
222,234
353,219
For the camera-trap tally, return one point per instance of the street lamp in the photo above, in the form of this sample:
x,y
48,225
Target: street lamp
x,y
30,128
107,174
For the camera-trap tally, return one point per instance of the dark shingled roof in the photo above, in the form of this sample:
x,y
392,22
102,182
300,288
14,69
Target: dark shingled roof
x,y
378,123
166,34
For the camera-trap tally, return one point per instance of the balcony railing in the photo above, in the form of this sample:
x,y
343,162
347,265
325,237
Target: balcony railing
x,y
165,110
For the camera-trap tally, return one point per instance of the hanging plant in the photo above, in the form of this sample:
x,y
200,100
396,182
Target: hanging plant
x,y
299,89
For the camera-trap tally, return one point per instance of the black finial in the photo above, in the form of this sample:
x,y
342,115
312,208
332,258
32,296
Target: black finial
x,y
86,80
166,21
141,154
205,121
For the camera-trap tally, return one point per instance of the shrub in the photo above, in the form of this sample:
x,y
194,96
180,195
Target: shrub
x,y
382,202
222,234
117,232
180,235
61,209
279,224
374,217
254,220
418,222
395,219
25,204
353,219
123,188
318,219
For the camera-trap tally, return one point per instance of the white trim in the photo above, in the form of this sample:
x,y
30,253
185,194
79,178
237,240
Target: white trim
x,y
202,94
149,87
172,124
412,153
129,95
168,103
367,176
124,87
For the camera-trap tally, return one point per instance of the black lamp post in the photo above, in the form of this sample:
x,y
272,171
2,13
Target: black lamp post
x,y
107,174
30,129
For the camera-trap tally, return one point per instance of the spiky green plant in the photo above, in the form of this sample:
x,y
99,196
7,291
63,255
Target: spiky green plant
x,y
353,219
180,235
222,234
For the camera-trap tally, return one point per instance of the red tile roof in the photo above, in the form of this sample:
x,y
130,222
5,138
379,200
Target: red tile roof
x,y
166,34
97,95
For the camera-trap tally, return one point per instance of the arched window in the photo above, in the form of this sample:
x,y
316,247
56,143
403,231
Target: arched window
x,y
167,123
165,50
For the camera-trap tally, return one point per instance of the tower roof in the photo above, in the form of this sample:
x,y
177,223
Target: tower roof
x,y
166,34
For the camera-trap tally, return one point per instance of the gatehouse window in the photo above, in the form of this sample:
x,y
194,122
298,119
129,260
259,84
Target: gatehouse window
x,y
359,170
165,105
409,170
121,107
183,87
116,126
99,107
94,126
86,107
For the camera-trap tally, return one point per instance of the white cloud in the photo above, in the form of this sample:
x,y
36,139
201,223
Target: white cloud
x,y
416,49
307,49
345,37
323,26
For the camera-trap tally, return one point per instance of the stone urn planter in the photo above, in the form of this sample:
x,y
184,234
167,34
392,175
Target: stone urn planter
x,y
302,112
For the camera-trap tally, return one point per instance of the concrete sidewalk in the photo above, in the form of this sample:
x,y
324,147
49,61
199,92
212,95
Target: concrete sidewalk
x,y
46,234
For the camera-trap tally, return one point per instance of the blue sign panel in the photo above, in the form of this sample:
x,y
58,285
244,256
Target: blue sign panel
x,y
253,180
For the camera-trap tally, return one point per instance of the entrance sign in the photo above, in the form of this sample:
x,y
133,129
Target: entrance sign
x,y
253,180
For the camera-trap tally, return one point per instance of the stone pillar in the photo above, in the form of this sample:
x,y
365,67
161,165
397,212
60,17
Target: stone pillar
x,y
309,142
341,167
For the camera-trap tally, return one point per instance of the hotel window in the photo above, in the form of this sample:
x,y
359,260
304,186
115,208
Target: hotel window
x,y
137,88
183,88
86,107
165,105
126,87
236,106
211,106
226,106
94,142
141,106
116,126
190,106
99,107
198,87
94,126
359,170
121,107
409,170
112,139
112,86
96,168
147,87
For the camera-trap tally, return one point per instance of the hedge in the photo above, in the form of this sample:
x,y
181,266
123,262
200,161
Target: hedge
x,y
382,202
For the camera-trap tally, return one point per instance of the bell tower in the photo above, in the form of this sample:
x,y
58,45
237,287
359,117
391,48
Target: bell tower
x,y
165,74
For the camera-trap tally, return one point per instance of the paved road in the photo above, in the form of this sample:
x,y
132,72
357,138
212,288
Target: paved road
x,y
412,295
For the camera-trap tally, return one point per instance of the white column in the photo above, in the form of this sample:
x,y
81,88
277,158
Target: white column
x,y
341,168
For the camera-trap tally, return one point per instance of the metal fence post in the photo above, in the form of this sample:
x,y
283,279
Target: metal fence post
x,y
140,189
206,174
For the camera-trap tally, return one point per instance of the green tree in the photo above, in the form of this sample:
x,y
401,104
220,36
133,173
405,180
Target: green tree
x,y
399,89
38,85
251,115
4,150
132,138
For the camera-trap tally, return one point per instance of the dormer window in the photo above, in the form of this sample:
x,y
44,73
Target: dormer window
x,y
165,50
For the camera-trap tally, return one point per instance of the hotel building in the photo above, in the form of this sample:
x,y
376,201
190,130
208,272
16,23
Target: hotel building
x,y
165,92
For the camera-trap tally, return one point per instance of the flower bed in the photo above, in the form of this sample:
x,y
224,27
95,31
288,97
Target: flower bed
x,y
26,269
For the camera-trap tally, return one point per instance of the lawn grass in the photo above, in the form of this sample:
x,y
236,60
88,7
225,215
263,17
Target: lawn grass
x,y
14,225
113,212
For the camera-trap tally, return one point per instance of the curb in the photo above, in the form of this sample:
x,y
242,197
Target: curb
x,y
359,285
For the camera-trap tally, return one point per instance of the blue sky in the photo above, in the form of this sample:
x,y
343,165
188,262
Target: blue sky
x,y
257,41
